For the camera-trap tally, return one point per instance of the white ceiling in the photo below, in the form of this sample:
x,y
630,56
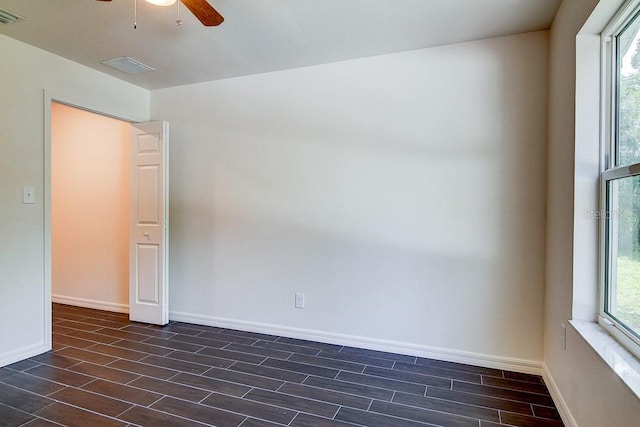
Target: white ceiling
x,y
259,35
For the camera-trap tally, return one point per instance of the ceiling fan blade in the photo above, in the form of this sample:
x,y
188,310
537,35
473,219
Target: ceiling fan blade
x,y
204,12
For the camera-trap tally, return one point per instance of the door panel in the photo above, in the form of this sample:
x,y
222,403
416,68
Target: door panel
x,y
148,197
148,281
148,267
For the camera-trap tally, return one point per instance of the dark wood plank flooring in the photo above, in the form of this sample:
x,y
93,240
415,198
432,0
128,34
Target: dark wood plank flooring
x,y
106,371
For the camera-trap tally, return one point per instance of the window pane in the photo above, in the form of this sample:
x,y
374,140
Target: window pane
x,y
623,238
628,108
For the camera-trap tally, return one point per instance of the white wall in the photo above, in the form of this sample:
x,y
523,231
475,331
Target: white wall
x,y
587,390
22,275
90,159
403,194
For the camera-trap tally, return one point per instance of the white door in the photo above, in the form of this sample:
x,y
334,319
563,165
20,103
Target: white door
x,y
149,224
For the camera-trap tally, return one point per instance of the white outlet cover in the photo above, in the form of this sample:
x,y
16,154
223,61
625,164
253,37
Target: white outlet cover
x,y
28,195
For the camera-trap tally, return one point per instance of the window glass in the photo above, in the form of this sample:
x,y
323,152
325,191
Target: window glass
x,y
620,287
628,69
623,284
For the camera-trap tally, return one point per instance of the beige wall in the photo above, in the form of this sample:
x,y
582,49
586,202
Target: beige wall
x,y
403,194
23,277
587,388
90,215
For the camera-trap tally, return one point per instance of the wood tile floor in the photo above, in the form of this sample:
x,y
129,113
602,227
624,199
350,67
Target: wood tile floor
x,y
107,371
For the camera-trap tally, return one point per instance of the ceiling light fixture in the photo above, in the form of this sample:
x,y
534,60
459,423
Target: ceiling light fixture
x,y
162,2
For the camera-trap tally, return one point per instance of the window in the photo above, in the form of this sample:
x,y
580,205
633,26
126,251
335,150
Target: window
x,y
620,179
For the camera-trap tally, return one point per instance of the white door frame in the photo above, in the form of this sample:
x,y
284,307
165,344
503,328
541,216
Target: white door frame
x,y
81,104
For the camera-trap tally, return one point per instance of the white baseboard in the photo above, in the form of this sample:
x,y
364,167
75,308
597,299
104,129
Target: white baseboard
x,y
89,303
22,353
561,404
497,362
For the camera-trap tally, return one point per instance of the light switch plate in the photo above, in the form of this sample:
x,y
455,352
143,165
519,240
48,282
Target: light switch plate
x,y
299,300
28,195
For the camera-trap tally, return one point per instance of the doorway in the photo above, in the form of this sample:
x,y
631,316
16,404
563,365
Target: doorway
x,y
90,167
148,141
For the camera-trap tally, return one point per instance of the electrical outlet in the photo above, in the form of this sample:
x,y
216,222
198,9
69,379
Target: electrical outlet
x,y
299,300
564,336
28,195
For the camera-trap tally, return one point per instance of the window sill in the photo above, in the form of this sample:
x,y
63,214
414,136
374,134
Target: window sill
x,y
619,359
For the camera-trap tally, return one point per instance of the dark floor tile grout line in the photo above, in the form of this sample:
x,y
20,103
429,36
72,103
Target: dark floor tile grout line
x,y
501,388
452,401
192,386
512,380
248,416
437,411
496,397
500,411
42,419
426,375
149,406
178,372
191,420
78,407
352,394
28,413
211,393
449,413
241,414
398,380
37,377
338,354
335,414
122,413
116,398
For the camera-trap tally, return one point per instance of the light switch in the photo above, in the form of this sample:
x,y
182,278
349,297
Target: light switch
x,y
299,300
28,195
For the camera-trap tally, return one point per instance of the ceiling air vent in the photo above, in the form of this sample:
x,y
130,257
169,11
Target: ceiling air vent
x,y
127,65
7,17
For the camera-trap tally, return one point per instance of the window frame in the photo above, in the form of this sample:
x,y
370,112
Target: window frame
x,y
609,170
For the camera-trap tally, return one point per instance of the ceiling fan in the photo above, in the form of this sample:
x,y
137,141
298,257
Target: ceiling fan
x,y
200,8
